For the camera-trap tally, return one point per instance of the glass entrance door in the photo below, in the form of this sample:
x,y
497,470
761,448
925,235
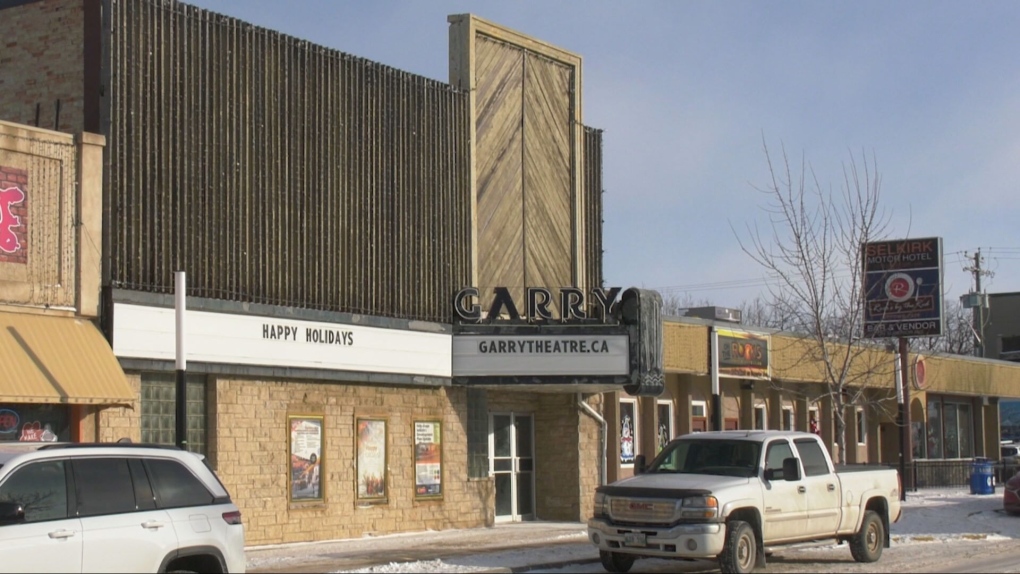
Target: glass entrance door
x,y
512,463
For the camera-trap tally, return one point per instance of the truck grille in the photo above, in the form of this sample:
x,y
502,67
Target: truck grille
x,y
642,510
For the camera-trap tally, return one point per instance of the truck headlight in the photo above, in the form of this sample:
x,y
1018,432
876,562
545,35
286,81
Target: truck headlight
x,y
600,505
699,507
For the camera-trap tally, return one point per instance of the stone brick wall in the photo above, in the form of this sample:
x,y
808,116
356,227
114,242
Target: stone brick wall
x,y
589,453
115,423
41,64
250,453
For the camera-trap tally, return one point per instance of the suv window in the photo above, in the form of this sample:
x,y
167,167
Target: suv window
x,y
811,457
175,486
103,486
39,487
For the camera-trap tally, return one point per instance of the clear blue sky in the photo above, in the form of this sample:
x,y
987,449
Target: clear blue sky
x,y
685,92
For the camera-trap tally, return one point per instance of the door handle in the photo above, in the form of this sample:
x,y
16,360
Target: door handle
x,y
832,487
153,524
61,534
801,489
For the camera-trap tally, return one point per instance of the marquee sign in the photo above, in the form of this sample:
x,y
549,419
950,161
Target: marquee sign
x,y
536,355
148,333
571,306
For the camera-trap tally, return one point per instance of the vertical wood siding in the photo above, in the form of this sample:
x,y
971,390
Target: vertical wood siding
x,y
277,171
592,216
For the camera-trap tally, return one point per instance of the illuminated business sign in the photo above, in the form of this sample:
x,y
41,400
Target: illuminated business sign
x,y
741,354
903,288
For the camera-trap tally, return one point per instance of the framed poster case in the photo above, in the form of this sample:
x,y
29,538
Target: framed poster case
x,y
305,480
371,438
428,459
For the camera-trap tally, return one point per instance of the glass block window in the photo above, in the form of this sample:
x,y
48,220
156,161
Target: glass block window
x,y
477,433
159,410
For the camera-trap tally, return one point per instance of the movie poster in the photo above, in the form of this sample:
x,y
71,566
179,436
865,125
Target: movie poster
x,y
628,442
305,457
428,469
371,449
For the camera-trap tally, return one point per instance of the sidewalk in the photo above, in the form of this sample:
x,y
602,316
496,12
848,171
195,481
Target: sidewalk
x,y
515,547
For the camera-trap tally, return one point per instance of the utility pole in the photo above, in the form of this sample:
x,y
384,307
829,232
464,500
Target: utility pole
x,y
979,306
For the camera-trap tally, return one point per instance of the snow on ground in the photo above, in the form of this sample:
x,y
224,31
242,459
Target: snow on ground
x,y
933,516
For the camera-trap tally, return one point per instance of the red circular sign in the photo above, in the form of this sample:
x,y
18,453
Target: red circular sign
x,y
920,373
899,287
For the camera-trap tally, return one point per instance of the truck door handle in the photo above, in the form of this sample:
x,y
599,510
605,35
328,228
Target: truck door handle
x,y
832,487
801,489
61,534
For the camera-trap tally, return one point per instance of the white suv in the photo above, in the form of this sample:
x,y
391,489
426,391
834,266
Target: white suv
x,y
114,508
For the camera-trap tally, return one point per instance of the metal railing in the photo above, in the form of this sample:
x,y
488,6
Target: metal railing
x,y
951,473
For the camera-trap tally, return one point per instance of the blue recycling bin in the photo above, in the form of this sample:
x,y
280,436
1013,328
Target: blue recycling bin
x,y
982,479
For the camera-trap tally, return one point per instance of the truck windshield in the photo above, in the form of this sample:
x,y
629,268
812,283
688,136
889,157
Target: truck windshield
x,y
718,457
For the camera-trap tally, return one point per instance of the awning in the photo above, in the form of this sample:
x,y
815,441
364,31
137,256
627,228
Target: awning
x,y
47,359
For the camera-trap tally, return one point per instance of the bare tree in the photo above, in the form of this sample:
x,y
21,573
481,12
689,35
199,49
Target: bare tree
x,y
674,304
772,313
957,333
812,243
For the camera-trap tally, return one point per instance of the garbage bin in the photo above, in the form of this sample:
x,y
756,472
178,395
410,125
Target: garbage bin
x,y
982,480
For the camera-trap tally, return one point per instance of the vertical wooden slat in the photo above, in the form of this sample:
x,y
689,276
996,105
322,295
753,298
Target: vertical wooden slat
x,y
276,171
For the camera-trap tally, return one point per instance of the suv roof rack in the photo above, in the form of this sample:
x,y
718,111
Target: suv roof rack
x,y
108,444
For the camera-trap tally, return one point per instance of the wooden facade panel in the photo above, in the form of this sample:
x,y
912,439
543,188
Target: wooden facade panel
x,y
276,171
591,209
548,174
499,148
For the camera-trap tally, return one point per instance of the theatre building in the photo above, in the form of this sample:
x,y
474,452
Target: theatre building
x,y
338,223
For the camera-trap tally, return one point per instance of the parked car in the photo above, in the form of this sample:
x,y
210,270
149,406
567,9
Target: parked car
x,y
1009,461
114,508
732,495
1011,497
1009,453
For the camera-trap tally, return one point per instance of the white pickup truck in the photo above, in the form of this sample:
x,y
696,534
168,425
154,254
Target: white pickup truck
x,y
729,495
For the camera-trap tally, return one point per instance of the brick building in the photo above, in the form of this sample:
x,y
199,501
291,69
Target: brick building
x,y
396,318
58,373
326,210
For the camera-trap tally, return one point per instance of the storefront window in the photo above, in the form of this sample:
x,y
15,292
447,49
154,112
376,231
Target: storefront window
x,y
952,431
917,440
966,430
159,410
934,429
32,422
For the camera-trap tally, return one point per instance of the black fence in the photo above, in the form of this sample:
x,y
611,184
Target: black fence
x,y
952,473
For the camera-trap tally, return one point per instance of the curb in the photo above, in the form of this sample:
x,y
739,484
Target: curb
x,y
543,567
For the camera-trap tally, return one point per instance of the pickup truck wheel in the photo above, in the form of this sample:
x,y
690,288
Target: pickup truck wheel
x,y
739,554
616,562
867,544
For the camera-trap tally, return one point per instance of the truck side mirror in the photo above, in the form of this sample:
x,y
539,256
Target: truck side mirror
x,y
11,513
639,464
791,470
